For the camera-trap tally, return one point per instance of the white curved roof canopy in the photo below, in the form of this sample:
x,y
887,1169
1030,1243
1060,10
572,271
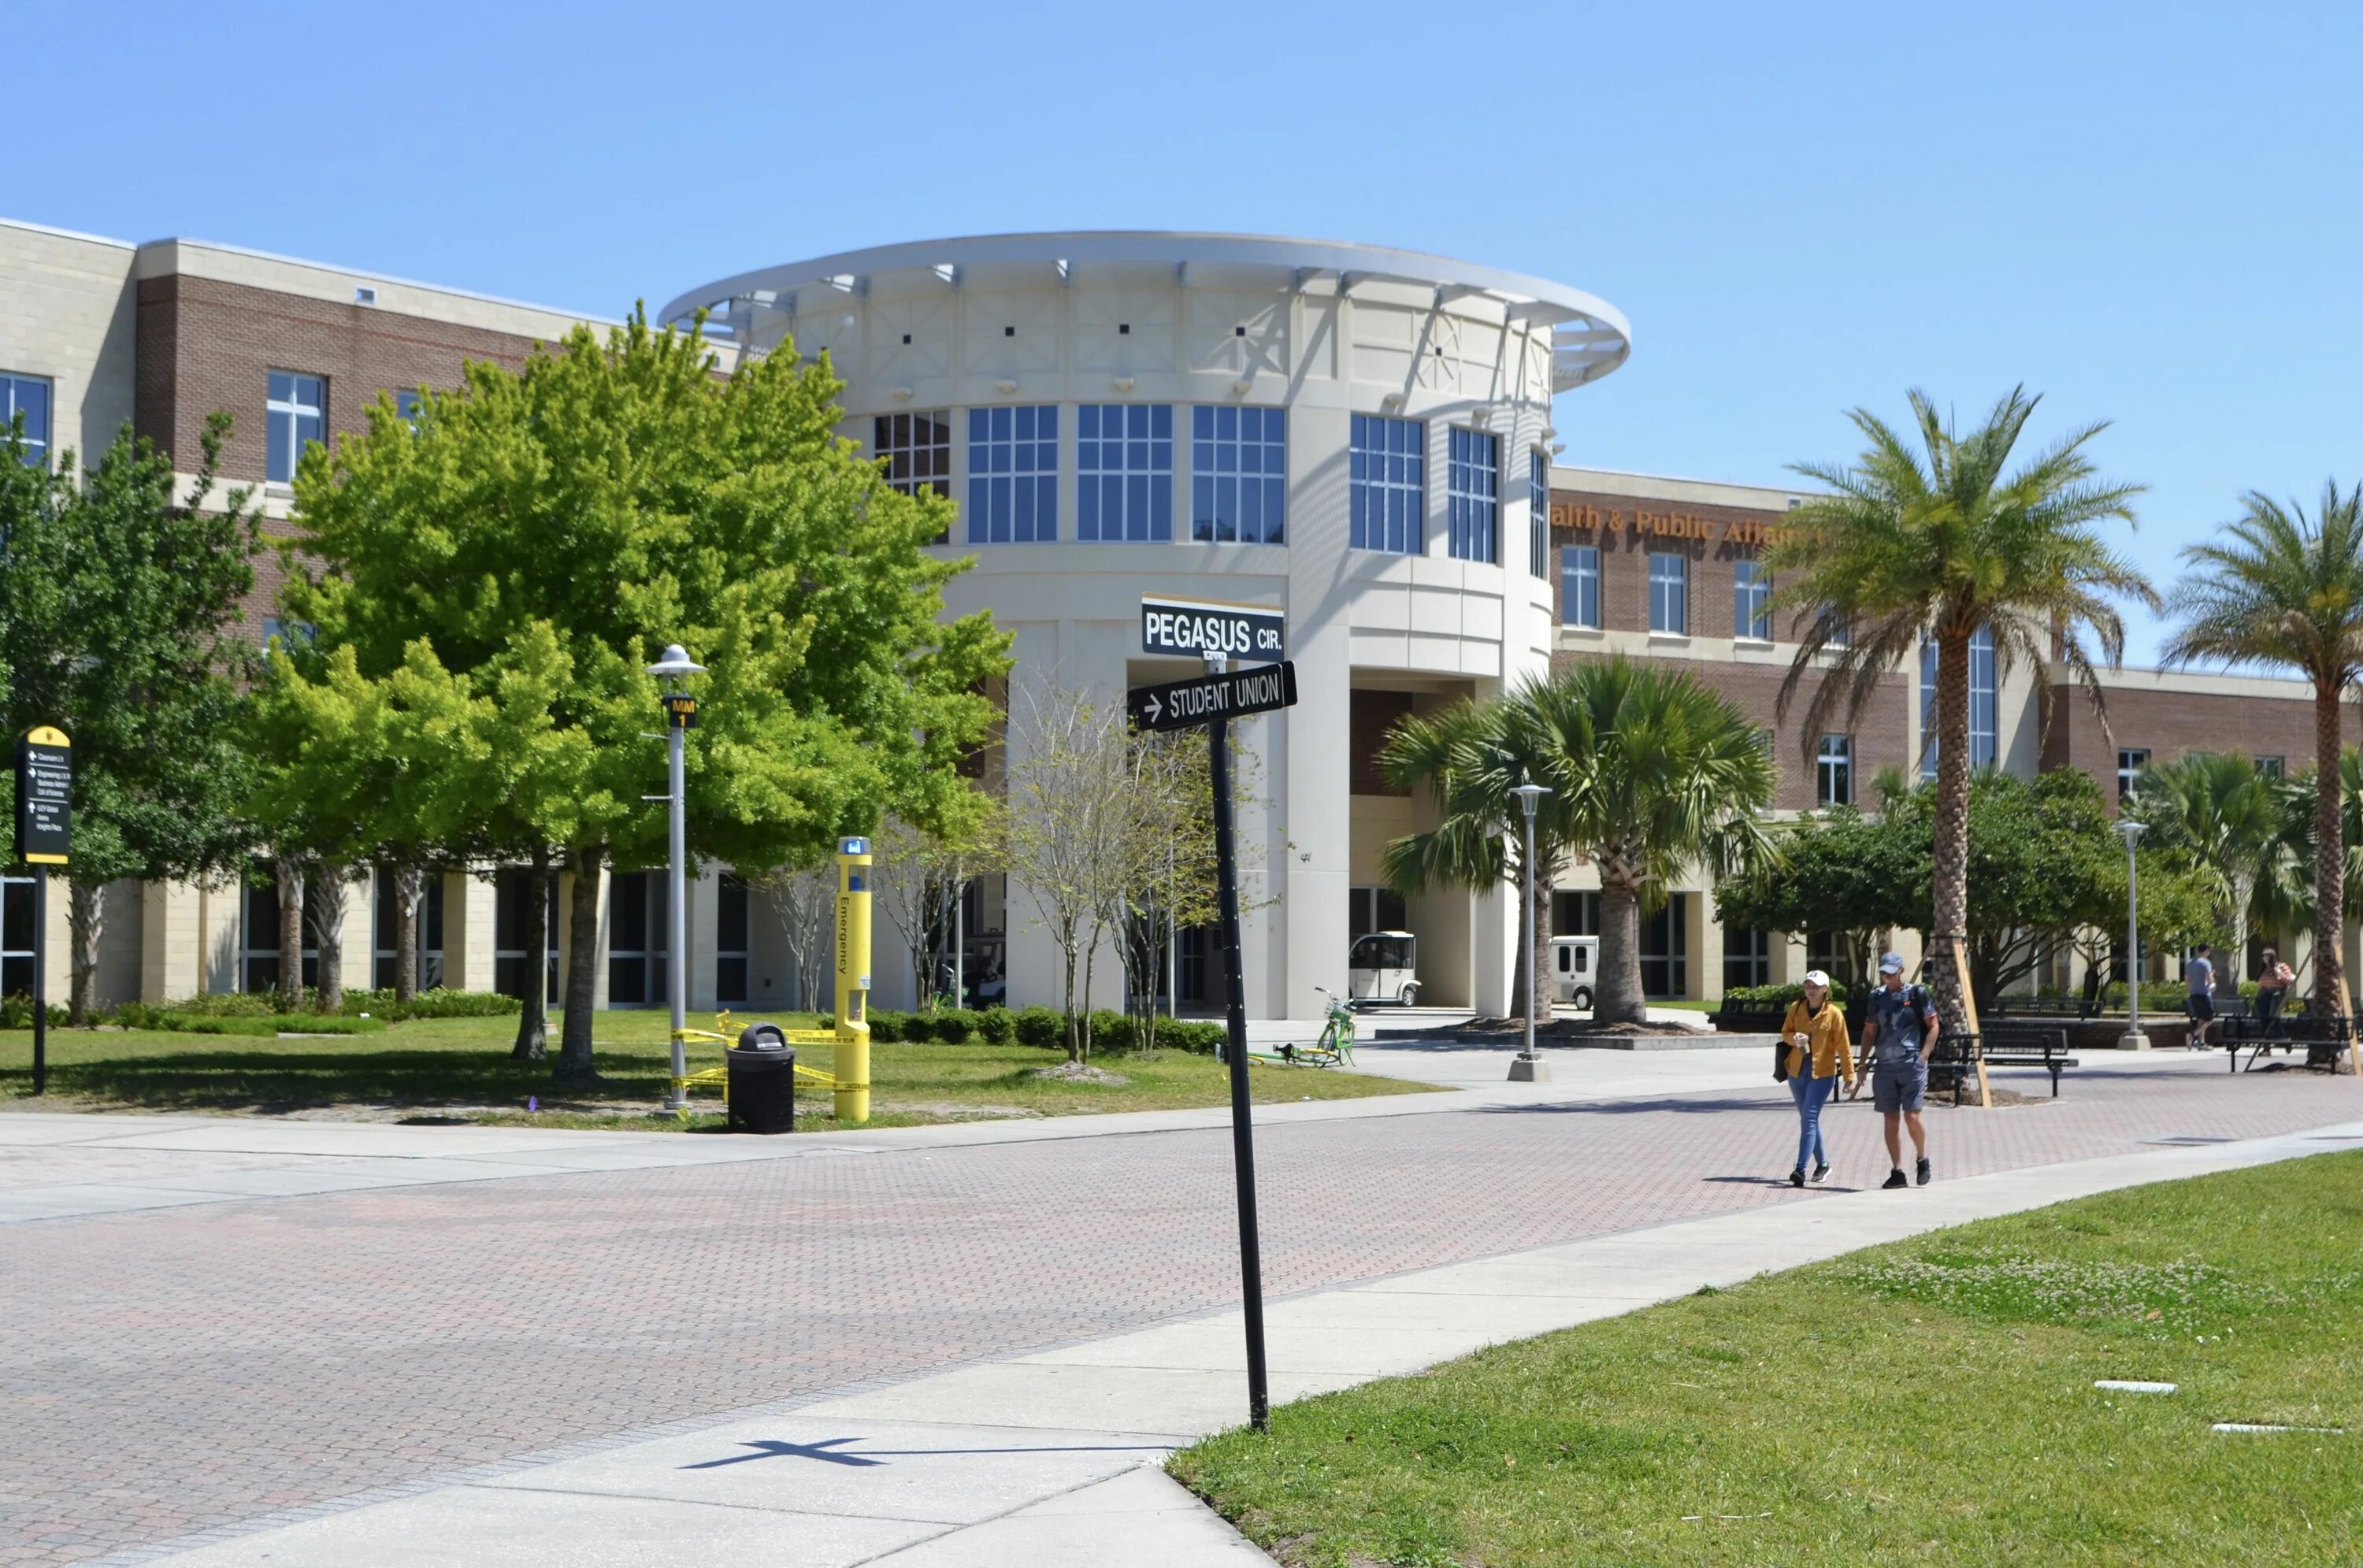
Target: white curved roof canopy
x,y
1590,336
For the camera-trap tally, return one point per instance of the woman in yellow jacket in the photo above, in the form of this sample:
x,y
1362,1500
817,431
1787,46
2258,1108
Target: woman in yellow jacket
x,y
1819,1058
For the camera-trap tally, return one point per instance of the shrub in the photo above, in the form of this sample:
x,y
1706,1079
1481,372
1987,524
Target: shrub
x,y
1111,1030
17,1013
139,1015
436,1003
919,1027
1196,1035
954,1025
886,1026
997,1024
1778,994
1040,1026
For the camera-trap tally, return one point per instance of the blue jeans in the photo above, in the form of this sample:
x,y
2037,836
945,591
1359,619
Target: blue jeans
x,y
1810,1093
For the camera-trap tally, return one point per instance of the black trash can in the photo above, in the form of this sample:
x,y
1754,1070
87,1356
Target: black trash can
x,y
762,1081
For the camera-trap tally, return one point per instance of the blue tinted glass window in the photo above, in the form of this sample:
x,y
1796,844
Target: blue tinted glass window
x,y
1669,593
1013,475
1239,475
1124,472
1984,736
293,417
1751,601
1538,514
26,400
1472,494
1579,586
1387,485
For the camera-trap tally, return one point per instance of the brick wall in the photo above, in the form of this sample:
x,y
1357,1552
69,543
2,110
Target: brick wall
x,y
1628,532
204,344
2170,723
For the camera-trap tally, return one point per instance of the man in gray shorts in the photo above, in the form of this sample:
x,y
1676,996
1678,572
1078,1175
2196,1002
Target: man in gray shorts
x,y
1899,1035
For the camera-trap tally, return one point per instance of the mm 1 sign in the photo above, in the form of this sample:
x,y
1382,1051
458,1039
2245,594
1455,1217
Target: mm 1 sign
x,y
1194,628
44,797
1178,704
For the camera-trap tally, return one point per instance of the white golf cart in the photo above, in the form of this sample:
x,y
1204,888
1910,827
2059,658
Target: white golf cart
x,y
1383,969
1575,970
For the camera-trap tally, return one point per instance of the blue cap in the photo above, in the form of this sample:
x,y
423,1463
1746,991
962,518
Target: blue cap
x,y
1891,962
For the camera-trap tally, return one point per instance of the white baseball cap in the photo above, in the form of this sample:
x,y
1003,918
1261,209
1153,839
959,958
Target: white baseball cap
x,y
1815,977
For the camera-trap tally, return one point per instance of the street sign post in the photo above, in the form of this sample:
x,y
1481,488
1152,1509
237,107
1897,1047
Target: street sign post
x,y
44,838
1209,628
1213,699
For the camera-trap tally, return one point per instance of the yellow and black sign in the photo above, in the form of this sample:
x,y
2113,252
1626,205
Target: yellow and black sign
x,y
682,709
44,797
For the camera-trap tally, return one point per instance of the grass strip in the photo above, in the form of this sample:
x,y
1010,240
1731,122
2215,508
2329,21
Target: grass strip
x,y
1930,1402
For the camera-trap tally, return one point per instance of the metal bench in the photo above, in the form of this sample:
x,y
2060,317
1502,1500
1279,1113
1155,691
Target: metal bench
x,y
1954,1064
2322,1039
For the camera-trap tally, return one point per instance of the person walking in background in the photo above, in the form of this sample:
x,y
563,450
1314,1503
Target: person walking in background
x,y
2273,981
1819,1058
2198,1001
1899,1035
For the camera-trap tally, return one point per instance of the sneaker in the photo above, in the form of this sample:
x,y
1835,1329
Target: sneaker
x,y
1821,1174
1894,1180
1797,1176
1925,1176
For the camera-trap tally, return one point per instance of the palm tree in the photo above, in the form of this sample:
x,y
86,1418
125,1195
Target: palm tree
x,y
2277,587
2226,816
1939,543
1650,773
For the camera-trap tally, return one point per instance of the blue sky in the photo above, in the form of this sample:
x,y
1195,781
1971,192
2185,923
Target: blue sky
x,y
2150,214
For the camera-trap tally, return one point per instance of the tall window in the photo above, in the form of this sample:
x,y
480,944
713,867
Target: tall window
x,y
635,938
1837,632
294,412
1747,957
1751,601
731,928
1579,586
1669,593
1013,475
258,955
1983,732
1472,498
1538,513
1239,475
410,407
1665,948
1124,471
27,398
1387,485
428,933
514,891
1373,909
918,450
2131,760
16,936
1833,771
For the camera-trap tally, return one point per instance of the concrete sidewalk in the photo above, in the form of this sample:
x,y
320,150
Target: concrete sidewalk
x,y
1049,1458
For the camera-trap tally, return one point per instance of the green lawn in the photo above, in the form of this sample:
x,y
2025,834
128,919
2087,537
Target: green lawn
x,y
459,1067
1926,1403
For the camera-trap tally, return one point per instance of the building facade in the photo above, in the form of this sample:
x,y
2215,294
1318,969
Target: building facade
x,y
1363,438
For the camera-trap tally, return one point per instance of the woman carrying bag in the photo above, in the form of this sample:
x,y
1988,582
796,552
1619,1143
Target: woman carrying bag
x,y
1816,1057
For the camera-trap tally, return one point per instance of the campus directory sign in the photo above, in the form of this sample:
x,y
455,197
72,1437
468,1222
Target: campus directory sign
x,y
44,797
1210,628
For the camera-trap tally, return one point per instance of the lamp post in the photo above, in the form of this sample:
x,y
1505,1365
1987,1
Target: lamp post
x,y
2133,1039
1527,1067
681,716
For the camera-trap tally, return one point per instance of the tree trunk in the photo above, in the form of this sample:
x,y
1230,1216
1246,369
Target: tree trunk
x,y
407,882
533,1016
1538,961
329,900
2329,859
86,918
1620,998
1074,1043
581,959
291,934
1949,927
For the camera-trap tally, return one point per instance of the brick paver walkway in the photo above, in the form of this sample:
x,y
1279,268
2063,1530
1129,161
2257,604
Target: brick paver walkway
x,y
174,1371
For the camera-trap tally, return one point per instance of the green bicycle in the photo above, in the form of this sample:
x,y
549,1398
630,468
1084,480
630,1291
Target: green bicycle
x,y
1334,1049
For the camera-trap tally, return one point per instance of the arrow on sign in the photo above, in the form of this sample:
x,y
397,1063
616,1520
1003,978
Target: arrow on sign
x,y
1155,710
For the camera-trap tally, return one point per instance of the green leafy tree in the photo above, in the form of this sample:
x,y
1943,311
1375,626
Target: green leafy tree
x,y
1938,543
1843,872
2225,819
2276,587
118,605
619,494
1650,772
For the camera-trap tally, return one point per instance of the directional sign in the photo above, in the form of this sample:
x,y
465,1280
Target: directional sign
x,y
44,797
1178,704
1188,628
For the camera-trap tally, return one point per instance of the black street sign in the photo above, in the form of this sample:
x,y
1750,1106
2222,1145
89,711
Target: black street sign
x,y
1191,628
44,797
1178,704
